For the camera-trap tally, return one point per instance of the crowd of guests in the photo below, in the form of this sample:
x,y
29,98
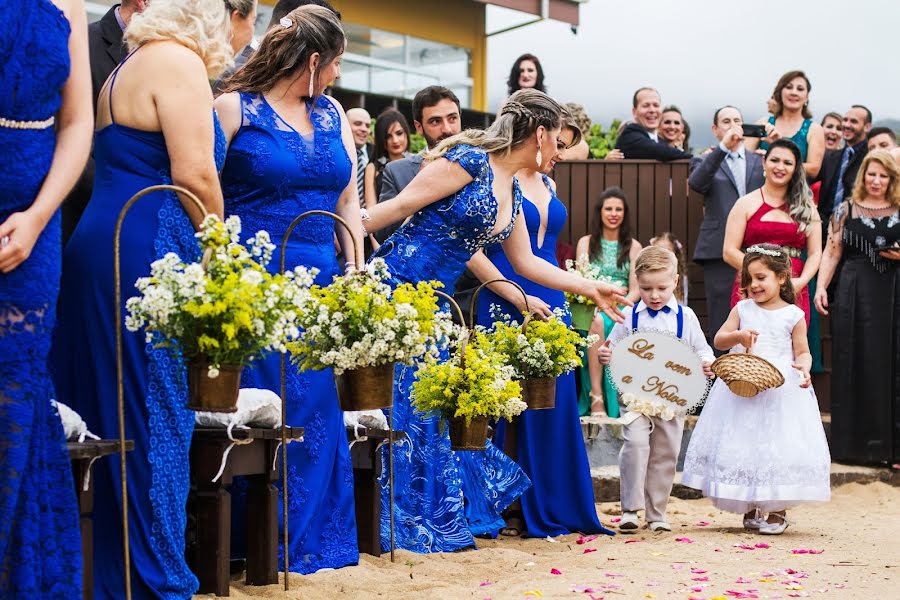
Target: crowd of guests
x,y
266,142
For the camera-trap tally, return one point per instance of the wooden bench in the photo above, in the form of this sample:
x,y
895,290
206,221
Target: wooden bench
x,y
83,455
367,466
209,504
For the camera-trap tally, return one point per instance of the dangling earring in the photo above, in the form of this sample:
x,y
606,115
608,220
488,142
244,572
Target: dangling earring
x,y
312,77
539,158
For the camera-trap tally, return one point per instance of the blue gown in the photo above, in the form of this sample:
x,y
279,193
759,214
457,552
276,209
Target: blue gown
x,y
40,551
443,497
155,381
272,174
549,443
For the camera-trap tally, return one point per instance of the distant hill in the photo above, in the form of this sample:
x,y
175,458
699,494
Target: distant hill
x,y
892,123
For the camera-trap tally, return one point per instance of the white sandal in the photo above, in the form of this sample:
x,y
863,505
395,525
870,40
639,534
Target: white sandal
x,y
772,528
756,522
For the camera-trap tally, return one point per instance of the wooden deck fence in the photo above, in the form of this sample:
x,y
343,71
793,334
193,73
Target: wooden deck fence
x,y
659,200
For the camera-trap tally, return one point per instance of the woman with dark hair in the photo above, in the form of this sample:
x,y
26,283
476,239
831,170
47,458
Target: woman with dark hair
x,y
289,149
526,73
792,120
391,143
612,252
547,444
865,376
464,199
673,129
781,212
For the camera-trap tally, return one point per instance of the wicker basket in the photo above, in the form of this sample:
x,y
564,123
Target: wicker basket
x,y
746,374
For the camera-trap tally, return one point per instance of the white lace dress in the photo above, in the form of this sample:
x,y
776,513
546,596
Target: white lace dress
x,y
768,451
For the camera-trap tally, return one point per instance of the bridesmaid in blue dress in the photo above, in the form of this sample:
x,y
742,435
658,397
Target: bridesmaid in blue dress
x,y
465,199
289,149
155,126
547,443
44,80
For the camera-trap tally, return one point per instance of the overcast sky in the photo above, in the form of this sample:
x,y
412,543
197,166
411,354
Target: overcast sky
x,y
702,54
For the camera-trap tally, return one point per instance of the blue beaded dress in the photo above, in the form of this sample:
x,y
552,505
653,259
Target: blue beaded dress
x,y
40,552
549,443
272,174
443,497
83,361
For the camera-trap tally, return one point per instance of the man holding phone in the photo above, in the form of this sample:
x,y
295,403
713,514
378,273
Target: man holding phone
x,y
724,174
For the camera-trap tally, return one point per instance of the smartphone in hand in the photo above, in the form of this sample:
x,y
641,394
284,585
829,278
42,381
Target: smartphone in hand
x,y
756,131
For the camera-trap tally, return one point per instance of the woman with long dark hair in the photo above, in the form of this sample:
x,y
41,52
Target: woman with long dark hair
x,y
464,199
864,239
391,143
612,252
781,212
289,151
526,73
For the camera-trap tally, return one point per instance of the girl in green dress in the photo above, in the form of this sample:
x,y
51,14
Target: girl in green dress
x,y
612,250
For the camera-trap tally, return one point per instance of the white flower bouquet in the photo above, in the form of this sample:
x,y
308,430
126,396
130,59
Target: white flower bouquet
x,y
650,407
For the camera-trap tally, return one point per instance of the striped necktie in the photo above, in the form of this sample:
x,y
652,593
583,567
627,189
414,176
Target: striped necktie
x,y
736,163
362,159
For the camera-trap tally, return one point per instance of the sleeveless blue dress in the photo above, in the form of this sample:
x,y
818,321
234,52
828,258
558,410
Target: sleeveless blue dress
x,y
272,174
155,379
40,551
440,494
549,444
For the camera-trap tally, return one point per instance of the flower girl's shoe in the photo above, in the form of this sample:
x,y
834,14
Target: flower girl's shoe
x,y
756,522
774,528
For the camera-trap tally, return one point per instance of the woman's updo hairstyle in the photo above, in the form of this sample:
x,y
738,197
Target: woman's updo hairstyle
x,y
286,48
519,117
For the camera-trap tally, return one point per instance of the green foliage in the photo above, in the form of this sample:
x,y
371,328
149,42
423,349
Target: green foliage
x,y
600,141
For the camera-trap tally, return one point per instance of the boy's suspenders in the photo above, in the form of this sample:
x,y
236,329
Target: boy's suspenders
x,y
679,318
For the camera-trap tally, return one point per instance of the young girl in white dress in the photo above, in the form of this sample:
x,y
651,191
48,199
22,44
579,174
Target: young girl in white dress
x,y
766,453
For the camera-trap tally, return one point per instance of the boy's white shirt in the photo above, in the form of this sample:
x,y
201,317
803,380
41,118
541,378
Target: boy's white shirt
x,y
692,333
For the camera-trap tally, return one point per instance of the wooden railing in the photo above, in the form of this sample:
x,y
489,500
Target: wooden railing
x,y
658,199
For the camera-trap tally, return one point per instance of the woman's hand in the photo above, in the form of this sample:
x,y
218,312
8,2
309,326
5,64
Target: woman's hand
x,y
18,235
535,305
614,154
746,337
891,254
607,298
604,353
797,284
772,134
821,301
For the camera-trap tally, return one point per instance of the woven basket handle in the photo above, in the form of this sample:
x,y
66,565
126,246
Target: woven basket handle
x,y
749,349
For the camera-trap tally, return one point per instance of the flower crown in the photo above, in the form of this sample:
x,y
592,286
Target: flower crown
x,y
286,22
766,251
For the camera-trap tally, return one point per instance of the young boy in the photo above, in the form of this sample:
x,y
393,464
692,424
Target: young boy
x,y
648,456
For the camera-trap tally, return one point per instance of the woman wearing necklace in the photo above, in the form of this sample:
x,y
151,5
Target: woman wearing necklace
x,y
289,149
781,212
865,376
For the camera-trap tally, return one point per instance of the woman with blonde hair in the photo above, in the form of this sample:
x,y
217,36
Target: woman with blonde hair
x,y
463,200
864,241
155,126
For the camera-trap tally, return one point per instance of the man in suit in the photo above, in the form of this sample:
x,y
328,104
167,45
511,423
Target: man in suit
x,y
106,50
839,167
436,116
360,125
722,175
639,139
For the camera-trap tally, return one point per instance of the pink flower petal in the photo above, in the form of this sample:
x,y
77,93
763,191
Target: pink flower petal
x,y
742,580
616,520
614,575
486,583
632,541
697,571
806,551
677,566
555,572
585,540
701,524
760,545
744,546
704,578
589,550
684,540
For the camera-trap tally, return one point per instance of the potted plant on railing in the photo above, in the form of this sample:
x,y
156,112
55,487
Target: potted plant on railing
x,y
471,388
539,351
359,326
221,312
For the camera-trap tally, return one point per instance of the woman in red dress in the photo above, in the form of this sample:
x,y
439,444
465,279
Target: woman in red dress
x,y
780,212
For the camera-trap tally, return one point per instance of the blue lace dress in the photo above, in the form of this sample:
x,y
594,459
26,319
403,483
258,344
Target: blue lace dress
x,y
439,493
272,174
83,361
549,443
40,552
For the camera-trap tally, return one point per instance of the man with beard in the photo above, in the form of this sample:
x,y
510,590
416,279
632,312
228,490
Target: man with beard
x,y
839,167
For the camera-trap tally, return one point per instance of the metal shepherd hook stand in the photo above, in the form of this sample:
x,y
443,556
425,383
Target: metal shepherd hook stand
x,y
284,241
117,274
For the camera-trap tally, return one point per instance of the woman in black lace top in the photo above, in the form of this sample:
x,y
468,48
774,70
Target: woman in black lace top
x,y
865,242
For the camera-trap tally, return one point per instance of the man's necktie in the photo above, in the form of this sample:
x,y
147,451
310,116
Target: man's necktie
x,y
839,190
739,171
361,162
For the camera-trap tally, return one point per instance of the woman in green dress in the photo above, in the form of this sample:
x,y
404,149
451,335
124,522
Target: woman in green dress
x,y
611,251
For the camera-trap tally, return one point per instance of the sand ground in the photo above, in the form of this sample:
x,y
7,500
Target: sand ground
x,y
858,534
